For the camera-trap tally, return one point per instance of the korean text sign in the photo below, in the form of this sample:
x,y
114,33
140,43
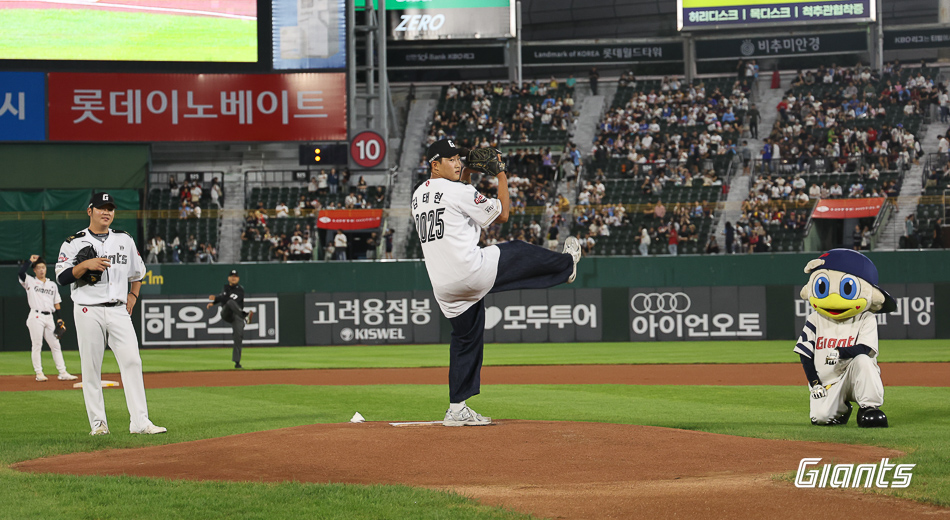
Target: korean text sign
x,y
22,106
197,107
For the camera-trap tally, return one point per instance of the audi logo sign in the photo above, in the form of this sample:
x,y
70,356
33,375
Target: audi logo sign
x,y
654,303
697,313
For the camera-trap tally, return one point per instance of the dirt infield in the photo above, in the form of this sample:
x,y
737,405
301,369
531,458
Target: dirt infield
x,y
894,374
550,469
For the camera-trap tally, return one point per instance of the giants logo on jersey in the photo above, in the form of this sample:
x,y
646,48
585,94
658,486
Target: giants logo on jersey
x,y
43,290
118,259
479,198
834,342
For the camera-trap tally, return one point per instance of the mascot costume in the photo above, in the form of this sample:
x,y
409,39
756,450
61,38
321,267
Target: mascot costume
x,y
838,346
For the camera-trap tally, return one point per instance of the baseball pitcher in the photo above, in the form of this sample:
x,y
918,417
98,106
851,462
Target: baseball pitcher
x,y
449,214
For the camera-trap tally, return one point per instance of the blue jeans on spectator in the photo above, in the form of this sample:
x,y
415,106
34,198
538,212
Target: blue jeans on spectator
x,y
644,249
673,249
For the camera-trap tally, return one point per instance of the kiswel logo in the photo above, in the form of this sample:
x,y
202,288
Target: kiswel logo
x,y
809,475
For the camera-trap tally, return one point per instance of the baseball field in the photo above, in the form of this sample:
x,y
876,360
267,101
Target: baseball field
x,y
128,30
595,430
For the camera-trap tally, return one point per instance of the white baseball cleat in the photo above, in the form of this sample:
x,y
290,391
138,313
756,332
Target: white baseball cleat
x,y
41,378
572,246
152,430
465,417
100,428
66,376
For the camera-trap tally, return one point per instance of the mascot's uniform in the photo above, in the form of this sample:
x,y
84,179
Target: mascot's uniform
x,y
838,346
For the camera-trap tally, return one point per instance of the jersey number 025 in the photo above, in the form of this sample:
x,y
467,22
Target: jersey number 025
x,y
429,225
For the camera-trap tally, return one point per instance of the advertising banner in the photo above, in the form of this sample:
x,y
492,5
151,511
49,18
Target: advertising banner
x,y
349,219
848,208
711,14
697,313
415,57
183,321
543,316
451,20
770,47
914,318
604,53
371,318
899,39
197,107
22,106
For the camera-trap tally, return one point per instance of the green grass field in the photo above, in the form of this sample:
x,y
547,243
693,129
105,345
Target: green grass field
x,y
73,34
41,423
400,356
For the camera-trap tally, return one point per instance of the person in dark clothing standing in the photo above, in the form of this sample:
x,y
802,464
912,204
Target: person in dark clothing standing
x,y
231,300
730,237
754,116
594,78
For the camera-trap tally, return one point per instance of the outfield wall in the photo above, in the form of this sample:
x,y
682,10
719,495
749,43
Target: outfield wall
x,y
694,298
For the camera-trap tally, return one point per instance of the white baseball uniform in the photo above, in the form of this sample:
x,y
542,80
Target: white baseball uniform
x,y
102,318
857,379
43,297
449,217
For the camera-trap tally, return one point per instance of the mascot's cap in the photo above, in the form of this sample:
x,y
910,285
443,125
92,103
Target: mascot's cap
x,y
854,263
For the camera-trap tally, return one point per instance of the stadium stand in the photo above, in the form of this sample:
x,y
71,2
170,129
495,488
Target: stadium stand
x,y
660,143
186,218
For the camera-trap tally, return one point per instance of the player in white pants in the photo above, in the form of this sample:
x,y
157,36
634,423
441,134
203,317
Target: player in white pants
x,y
838,346
103,309
44,299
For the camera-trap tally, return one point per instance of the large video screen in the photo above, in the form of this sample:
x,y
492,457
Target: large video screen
x,y
309,34
129,30
714,14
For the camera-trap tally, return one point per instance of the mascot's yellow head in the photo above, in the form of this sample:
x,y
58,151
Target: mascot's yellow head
x,y
843,284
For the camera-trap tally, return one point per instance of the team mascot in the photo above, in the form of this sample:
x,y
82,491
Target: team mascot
x,y
838,346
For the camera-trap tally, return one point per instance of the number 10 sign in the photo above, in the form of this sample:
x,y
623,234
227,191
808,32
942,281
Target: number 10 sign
x,y
368,149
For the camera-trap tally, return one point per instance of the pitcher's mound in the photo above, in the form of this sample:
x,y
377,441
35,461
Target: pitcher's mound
x,y
550,469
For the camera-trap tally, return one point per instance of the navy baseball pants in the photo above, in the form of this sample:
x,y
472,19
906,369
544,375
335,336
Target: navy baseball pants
x,y
233,314
520,266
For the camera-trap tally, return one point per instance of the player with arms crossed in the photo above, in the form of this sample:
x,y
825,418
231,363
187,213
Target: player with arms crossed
x,y
43,296
449,214
838,346
98,263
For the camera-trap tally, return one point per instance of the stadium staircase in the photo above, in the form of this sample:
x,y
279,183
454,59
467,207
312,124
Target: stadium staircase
x,y
909,197
585,129
765,99
229,242
417,126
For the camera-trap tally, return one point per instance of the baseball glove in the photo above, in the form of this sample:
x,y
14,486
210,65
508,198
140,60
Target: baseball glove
x,y
485,160
91,277
60,330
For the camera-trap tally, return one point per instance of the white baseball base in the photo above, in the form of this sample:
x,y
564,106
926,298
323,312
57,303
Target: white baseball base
x,y
105,384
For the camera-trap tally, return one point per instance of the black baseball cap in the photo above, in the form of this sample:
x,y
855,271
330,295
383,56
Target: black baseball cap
x,y
233,273
101,199
444,149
